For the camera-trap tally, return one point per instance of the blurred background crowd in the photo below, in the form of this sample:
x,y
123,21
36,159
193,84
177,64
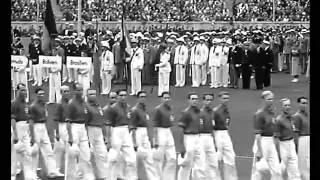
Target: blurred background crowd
x,y
169,10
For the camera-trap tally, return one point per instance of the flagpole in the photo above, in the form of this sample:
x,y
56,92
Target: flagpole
x,y
124,52
38,10
273,11
79,16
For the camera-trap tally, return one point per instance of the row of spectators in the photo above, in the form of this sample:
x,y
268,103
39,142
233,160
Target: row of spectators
x,y
168,10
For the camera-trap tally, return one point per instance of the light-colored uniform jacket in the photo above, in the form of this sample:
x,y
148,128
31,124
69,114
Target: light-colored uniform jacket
x,y
182,56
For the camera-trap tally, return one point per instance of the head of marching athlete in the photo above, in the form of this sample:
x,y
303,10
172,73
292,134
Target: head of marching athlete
x,y
268,98
40,94
193,99
78,91
83,54
92,95
166,98
285,105
65,93
22,51
122,95
112,97
21,91
142,97
224,98
54,52
303,104
208,100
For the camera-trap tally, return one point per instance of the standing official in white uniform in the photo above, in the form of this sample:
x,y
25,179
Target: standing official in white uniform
x,y
195,63
107,65
180,60
224,70
215,64
137,61
164,70
83,77
54,81
204,53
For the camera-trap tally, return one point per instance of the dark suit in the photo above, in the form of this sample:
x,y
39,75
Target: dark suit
x,y
234,59
258,66
268,61
246,68
148,59
118,61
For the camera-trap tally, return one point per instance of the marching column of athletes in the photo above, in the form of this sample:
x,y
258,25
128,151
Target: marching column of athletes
x,y
118,135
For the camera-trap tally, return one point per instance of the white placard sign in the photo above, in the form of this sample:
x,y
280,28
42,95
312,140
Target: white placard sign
x,y
50,61
19,61
78,62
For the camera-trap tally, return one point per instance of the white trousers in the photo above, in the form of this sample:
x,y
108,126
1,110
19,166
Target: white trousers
x,y
280,61
145,153
54,87
304,157
84,79
60,146
122,146
21,152
99,150
37,73
180,75
308,67
215,76
135,81
80,139
45,73
204,74
226,154
210,156
166,150
44,144
224,72
289,159
106,82
193,159
270,154
163,82
196,75
64,72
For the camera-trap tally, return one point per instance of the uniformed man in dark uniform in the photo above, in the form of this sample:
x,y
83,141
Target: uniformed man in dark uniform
x,y
246,65
117,117
61,130
95,121
258,65
267,59
139,125
224,144
264,125
163,141
39,134
302,123
284,135
207,137
21,134
191,156
234,60
77,112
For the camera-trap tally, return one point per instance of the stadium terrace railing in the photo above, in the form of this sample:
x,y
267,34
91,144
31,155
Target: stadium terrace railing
x,y
186,25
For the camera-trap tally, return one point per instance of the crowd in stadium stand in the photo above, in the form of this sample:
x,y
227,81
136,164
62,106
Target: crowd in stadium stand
x,y
168,10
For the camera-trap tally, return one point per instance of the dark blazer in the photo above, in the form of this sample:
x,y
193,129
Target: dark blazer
x,y
235,55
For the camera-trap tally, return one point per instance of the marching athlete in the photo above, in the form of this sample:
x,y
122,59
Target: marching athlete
x,y
264,124
222,137
302,123
39,134
163,141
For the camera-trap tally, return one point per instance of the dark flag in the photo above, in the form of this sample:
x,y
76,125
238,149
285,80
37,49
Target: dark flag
x,y
50,28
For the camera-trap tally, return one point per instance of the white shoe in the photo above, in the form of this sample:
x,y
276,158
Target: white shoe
x,y
294,80
132,94
225,86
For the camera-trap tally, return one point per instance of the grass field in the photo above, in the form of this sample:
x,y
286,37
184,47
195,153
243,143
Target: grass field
x,y
243,104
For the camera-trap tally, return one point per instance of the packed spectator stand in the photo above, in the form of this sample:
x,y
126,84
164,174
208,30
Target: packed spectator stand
x,y
168,10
